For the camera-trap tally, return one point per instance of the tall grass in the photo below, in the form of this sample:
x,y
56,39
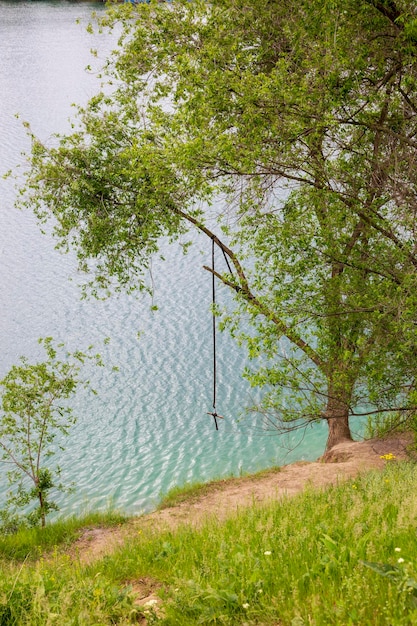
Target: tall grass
x,y
297,562
31,543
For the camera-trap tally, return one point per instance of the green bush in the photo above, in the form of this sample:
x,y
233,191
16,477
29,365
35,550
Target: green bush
x,y
382,425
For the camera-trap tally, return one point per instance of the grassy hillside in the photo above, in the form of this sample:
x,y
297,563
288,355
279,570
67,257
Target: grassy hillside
x,y
347,555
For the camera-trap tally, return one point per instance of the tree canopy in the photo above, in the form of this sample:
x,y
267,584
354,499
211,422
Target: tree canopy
x,y
297,122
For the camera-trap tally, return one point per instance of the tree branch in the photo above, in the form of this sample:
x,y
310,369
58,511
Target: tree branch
x,y
388,410
282,327
14,459
245,291
388,8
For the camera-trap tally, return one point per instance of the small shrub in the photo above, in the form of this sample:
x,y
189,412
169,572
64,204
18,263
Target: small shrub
x,y
33,411
383,424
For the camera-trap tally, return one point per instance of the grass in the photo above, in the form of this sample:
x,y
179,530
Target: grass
x,y
385,424
31,543
301,561
191,492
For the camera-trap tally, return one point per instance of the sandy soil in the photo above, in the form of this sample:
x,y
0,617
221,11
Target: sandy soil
x,y
344,461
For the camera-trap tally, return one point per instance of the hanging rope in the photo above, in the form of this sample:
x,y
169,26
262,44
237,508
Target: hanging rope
x,y
213,289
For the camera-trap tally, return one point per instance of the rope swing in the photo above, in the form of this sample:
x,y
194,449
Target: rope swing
x,y
213,413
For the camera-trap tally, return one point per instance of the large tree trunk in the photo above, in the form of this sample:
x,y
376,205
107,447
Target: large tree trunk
x,y
339,431
337,415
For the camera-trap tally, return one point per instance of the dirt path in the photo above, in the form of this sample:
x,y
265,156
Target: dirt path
x,y
345,460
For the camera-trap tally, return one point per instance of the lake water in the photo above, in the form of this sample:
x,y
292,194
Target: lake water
x,y
147,429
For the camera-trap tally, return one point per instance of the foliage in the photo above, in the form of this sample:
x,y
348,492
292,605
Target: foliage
x,y
34,410
10,523
301,117
382,425
264,565
403,574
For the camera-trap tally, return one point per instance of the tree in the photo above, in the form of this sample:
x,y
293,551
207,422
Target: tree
x,y
302,118
34,410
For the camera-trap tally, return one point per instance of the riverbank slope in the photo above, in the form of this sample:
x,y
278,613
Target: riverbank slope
x,y
224,497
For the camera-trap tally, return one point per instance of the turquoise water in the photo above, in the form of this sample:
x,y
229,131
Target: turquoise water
x,y
147,429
